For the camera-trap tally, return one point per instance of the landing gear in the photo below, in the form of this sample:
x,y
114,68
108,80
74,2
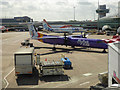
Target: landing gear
x,y
104,51
54,48
73,46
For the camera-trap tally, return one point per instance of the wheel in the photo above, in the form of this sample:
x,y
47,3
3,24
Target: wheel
x,y
104,51
40,75
31,44
2,31
23,44
73,46
54,49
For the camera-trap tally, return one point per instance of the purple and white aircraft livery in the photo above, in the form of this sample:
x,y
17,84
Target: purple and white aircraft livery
x,y
71,40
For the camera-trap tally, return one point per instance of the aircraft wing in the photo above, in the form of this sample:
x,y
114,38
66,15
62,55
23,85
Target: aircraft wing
x,y
46,38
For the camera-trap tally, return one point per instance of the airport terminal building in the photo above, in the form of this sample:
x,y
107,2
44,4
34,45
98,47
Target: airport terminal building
x,y
16,22
16,19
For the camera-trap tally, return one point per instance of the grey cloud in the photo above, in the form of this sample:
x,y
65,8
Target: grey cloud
x,y
84,3
4,3
113,9
43,3
63,2
60,3
29,8
111,6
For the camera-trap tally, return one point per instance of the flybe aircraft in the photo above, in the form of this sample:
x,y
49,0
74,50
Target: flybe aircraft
x,y
71,40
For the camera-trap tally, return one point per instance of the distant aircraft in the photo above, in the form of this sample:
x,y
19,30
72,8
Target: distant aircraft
x,y
60,26
71,40
3,29
106,28
118,31
62,29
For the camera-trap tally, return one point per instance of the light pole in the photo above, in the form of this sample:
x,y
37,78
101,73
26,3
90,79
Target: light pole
x,y
94,16
74,13
98,17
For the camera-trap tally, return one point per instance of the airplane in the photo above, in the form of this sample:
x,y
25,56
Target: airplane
x,y
63,29
3,29
71,40
106,28
60,26
118,31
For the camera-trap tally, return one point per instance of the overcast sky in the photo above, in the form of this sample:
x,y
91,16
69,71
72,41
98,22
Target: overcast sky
x,y
55,9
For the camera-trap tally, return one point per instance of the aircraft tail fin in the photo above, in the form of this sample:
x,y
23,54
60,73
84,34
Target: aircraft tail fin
x,y
46,26
32,30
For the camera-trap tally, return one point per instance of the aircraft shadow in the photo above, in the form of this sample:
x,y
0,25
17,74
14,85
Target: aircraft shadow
x,y
82,49
28,79
55,78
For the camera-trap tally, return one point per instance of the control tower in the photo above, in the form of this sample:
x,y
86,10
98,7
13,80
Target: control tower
x,y
119,9
102,11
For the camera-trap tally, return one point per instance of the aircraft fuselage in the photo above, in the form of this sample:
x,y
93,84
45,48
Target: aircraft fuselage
x,y
73,41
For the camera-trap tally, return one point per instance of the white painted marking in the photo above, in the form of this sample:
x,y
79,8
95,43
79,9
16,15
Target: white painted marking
x,y
84,83
6,77
70,82
59,85
87,74
35,86
3,81
40,85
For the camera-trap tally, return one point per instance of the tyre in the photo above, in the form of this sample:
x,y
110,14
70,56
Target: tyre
x,y
31,44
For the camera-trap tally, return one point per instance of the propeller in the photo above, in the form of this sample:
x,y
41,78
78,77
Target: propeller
x,y
65,39
86,35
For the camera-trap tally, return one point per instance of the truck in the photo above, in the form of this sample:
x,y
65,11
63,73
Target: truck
x,y
24,61
114,64
110,80
27,43
51,68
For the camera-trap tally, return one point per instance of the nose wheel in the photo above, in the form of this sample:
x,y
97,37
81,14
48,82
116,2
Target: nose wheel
x,y
104,51
54,48
72,46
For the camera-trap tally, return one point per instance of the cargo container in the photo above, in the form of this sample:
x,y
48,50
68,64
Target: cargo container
x,y
51,68
24,61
